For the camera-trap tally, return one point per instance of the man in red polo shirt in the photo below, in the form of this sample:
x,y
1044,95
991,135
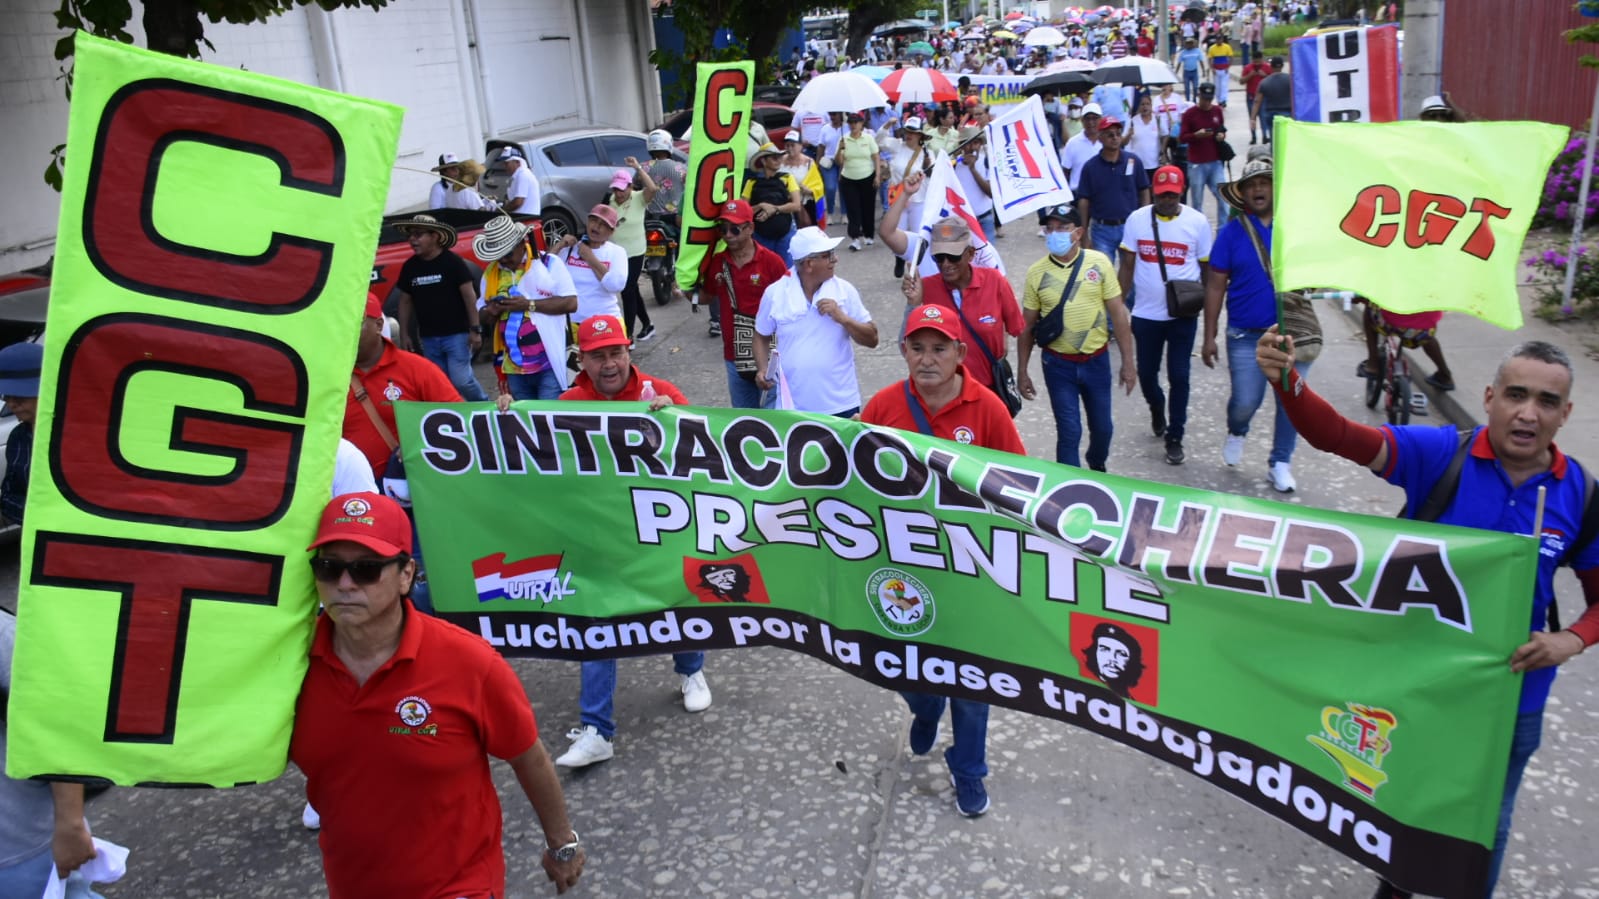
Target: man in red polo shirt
x,y
608,374
396,719
980,300
386,375
941,398
735,279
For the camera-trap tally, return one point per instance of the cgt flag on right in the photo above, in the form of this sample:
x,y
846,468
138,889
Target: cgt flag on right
x,y
1417,216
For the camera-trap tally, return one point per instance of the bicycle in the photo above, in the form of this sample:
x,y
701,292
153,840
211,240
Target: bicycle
x,y
1392,386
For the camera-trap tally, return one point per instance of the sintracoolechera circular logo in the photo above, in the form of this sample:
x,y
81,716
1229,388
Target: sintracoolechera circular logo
x,y
903,604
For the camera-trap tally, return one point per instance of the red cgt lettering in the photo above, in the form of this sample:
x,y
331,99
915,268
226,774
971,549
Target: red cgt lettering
x,y
1429,219
140,123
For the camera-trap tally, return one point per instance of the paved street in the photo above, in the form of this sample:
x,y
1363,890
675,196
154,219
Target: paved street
x,y
797,781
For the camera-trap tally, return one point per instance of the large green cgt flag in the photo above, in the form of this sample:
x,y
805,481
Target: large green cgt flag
x,y
1343,673
1418,216
216,239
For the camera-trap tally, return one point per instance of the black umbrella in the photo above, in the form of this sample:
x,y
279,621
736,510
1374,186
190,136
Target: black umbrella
x,y
1060,83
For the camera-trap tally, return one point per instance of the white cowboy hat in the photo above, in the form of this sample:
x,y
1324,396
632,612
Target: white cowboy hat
x,y
499,236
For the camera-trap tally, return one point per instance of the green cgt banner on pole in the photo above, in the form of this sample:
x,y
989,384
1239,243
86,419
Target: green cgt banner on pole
x,y
1343,673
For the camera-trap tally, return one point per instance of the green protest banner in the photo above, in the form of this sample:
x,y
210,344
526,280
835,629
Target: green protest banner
x,y
216,239
1344,673
1418,216
725,93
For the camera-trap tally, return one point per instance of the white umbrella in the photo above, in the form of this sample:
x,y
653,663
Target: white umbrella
x,y
839,92
1134,70
1069,65
1044,36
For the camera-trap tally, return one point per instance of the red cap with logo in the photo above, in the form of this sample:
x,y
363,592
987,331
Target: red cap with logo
x,y
370,519
1168,179
374,306
936,318
736,212
601,331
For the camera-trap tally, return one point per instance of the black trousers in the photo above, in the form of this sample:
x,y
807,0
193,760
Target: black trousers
x,y
632,300
860,204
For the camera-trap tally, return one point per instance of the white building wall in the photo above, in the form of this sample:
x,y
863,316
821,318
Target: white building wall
x,y
413,53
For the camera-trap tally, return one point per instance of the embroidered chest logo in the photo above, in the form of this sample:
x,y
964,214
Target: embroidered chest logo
x,y
413,712
963,434
392,392
1093,275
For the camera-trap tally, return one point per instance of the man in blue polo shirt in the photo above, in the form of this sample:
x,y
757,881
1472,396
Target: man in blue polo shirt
x,y
1508,462
1236,272
1112,185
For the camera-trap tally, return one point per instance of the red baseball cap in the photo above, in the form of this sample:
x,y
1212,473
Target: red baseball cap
x,y
1110,122
374,306
1168,179
370,519
737,212
936,318
601,331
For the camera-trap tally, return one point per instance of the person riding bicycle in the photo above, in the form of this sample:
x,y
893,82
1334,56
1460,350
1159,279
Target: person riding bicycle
x,y
1415,330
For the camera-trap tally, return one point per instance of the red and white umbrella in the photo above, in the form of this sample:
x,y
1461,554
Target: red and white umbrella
x,y
918,85
1012,16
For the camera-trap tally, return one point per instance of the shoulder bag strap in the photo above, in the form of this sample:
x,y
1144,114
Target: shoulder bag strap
x,y
359,389
1443,492
976,338
1160,253
1260,248
922,424
1066,292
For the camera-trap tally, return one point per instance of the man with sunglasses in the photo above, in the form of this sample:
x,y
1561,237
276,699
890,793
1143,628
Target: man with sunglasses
x,y
734,279
396,719
814,316
980,299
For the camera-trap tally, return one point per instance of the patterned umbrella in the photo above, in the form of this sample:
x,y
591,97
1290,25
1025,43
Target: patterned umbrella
x,y
918,86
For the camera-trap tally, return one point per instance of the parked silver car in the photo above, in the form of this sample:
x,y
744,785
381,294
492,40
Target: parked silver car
x,y
573,168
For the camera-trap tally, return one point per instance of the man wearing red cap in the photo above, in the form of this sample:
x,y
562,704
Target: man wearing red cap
x,y
608,374
978,299
385,375
734,279
396,719
940,398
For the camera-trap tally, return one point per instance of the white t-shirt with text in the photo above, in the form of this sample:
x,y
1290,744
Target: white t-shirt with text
x,y
1186,241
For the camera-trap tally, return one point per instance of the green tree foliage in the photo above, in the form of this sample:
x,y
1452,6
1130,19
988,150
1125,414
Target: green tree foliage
x,y
756,28
170,26
865,16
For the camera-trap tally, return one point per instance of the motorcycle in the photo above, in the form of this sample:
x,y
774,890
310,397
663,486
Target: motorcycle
x,y
660,257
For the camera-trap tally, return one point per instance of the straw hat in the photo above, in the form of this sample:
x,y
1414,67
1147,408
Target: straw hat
x,y
499,236
428,223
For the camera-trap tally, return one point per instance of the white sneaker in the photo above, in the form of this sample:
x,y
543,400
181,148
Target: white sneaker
x,y
696,695
870,241
1040,232
1232,452
310,818
855,244
1282,478
588,747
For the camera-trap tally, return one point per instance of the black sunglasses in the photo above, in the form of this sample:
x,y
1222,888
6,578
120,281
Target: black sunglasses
x,y
948,258
727,228
363,572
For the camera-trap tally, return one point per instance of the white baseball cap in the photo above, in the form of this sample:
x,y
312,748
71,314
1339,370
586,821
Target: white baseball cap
x,y
1093,109
810,241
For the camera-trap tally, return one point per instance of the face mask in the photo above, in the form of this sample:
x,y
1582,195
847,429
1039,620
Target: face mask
x,y
1059,243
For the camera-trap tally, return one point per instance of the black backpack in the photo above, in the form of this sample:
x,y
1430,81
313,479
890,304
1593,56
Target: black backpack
x,y
1443,493
772,190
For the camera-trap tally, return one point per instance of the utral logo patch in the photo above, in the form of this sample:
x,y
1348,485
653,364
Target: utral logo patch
x,y
903,604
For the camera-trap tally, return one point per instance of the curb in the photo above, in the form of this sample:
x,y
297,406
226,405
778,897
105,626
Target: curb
x,y
1443,402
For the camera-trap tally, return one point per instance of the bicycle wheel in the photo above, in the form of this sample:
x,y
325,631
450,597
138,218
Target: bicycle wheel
x,y
1399,400
1373,391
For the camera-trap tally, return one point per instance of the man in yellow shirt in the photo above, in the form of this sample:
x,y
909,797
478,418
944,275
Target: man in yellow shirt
x,y
1071,303
1220,55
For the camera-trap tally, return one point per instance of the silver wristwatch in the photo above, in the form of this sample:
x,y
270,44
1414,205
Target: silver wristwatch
x,y
565,852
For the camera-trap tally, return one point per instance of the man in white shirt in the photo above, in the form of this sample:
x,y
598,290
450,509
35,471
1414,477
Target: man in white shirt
x,y
522,193
1184,242
814,317
810,126
973,171
1082,147
832,133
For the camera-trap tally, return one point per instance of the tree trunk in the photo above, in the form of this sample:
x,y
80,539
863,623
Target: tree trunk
x,y
173,26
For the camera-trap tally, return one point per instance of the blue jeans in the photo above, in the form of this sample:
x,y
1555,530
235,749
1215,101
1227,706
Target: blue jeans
x,y
599,688
1249,391
1267,116
1107,239
1190,84
830,189
421,592
742,394
28,877
1528,733
968,720
1068,384
1204,176
779,245
452,353
542,385
1174,339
